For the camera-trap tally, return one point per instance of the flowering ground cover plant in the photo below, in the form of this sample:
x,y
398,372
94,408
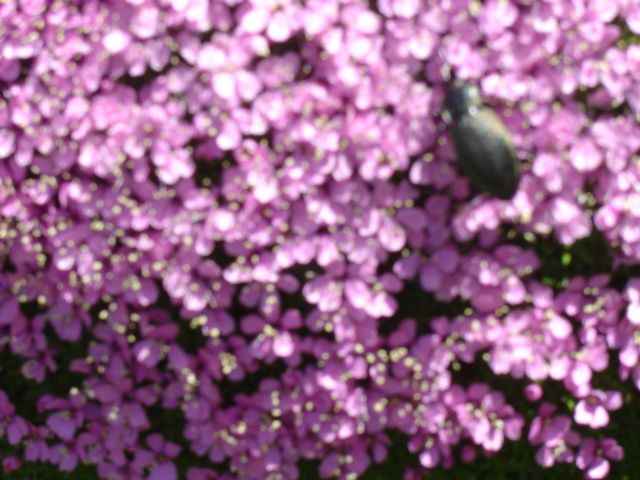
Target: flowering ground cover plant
x,y
234,241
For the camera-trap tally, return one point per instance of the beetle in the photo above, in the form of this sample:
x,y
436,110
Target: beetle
x,y
482,143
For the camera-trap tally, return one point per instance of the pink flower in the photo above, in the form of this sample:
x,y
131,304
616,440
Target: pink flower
x,y
585,156
163,471
278,19
63,424
593,410
594,456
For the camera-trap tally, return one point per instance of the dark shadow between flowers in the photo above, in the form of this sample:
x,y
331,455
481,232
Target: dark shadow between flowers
x,y
414,302
586,257
42,471
171,424
209,171
559,263
25,393
139,81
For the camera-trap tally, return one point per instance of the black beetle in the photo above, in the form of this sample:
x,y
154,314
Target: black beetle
x,y
482,142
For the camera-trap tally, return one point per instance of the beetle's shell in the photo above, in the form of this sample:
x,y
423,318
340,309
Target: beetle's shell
x,y
485,152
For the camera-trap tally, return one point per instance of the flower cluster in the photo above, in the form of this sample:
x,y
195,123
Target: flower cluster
x,y
216,210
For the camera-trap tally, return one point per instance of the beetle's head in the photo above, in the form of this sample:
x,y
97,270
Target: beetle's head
x,y
461,98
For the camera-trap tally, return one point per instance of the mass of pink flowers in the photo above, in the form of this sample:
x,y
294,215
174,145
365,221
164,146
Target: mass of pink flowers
x,y
216,207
